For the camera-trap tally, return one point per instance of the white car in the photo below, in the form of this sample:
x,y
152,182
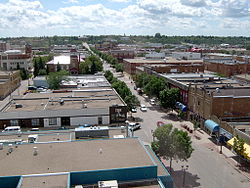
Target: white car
x,y
133,110
11,129
134,126
143,108
152,102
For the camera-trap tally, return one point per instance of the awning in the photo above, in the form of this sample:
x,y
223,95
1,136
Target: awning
x,y
246,154
212,126
225,133
181,106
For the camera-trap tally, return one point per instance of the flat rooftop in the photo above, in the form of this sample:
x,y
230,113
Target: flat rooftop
x,y
62,60
169,60
99,98
232,92
74,156
54,135
56,181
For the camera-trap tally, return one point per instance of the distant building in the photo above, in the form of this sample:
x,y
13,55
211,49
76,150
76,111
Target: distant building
x,y
196,66
122,54
4,46
186,55
226,67
155,55
131,65
10,59
66,62
105,46
9,81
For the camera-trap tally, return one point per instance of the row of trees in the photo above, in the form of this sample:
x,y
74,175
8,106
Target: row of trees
x,y
157,87
91,65
123,90
172,144
110,60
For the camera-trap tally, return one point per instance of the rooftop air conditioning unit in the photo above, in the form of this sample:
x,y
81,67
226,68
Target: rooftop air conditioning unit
x,y
19,105
108,184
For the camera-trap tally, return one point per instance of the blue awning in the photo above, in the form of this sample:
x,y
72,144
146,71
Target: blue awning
x,y
181,106
227,134
212,126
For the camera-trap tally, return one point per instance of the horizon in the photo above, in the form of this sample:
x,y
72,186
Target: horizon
x,y
34,18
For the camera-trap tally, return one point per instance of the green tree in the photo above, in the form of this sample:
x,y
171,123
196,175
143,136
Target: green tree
x,y
171,143
41,63
109,75
58,67
42,72
157,35
119,67
169,97
155,86
121,88
54,79
93,68
131,101
36,68
238,146
23,74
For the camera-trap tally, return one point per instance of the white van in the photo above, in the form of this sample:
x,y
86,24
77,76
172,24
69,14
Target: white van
x,y
12,129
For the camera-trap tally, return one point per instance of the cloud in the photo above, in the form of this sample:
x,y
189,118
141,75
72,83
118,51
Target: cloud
x,y
142,16
194,3
121,1
71,1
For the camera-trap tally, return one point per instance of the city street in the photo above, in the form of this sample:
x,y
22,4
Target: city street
x,y
18,92
206,167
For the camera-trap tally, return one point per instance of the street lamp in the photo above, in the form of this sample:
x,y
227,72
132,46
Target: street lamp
x,y
184,169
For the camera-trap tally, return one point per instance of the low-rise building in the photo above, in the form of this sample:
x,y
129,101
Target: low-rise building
x,y
186,55
122,54
66,62
11,59
83,100
130,65
83,163
9,81
226,67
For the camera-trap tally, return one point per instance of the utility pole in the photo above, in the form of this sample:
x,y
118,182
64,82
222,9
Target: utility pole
x,y
184,169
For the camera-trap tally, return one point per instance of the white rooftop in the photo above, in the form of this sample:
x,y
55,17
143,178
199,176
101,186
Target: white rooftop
x,y
62,60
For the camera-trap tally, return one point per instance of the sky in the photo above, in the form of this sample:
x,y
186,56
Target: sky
x,y
129,17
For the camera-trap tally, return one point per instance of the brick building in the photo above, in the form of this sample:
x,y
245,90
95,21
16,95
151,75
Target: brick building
x,y
226,67
122,54
9,81
175,67
67,62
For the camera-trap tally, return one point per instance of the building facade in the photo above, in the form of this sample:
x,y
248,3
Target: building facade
x,y
9,81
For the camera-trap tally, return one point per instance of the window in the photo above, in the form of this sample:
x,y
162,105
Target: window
x,y
99,120
52,121
14,122
35,122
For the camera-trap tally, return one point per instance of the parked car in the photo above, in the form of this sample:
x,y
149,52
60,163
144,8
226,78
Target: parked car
x,y
134,126
32,88
143,108
152,101
11,129
34,129
134,110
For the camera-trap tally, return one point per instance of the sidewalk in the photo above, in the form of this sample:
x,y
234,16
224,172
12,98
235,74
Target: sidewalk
x,y
228,155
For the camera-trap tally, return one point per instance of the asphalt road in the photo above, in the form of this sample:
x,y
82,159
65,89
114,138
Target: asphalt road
x,y
206,167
